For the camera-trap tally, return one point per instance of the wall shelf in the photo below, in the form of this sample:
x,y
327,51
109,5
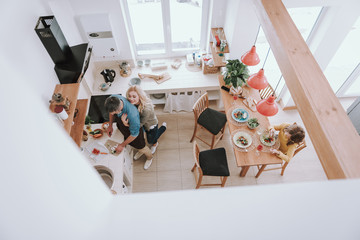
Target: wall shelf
x,y
79,121
214,32
215,50
71,91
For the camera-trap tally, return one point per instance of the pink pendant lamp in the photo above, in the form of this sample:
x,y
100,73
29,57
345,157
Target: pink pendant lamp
x,y
250,58
258,80
267,107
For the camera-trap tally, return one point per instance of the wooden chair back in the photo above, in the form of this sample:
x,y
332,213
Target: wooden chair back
x,y
266,92
200,105
301,146
283,166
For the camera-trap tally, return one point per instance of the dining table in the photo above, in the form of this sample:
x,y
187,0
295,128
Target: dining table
x,y
252,155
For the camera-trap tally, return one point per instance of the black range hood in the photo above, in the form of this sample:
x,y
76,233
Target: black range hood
x,y
71,63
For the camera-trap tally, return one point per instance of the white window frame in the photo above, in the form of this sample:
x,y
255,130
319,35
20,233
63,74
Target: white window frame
x,y
169,52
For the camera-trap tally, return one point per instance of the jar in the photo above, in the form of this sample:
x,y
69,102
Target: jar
x,y
60,112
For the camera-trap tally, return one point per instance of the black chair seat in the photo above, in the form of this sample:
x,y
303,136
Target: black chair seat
x,y
212,120
213,162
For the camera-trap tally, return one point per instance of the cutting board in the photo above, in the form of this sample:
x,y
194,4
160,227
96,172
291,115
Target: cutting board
x,y
109,144
159,78
166,76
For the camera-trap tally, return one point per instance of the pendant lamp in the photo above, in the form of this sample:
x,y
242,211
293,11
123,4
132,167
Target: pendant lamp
x,y
250,58
267,107
258,80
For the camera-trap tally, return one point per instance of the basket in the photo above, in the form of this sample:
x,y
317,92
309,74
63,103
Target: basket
x,y
209,70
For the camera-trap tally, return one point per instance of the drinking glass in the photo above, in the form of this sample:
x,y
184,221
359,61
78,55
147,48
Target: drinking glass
x,y
235,98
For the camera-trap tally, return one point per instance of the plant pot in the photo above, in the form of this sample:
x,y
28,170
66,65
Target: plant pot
x,y
251,127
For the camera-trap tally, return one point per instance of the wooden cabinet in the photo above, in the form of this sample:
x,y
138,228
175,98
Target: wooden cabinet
x,y
74,124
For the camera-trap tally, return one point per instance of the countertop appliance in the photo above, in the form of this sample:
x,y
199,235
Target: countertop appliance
x,y
108,75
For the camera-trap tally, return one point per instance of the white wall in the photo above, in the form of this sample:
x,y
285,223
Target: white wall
x,y
21,49
241,26
64,15
113,8
49,191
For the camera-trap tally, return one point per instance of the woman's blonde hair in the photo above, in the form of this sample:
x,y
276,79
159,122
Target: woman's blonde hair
x,y
143,98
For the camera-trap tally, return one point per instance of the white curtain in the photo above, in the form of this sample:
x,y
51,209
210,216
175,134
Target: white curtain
x,y
181,101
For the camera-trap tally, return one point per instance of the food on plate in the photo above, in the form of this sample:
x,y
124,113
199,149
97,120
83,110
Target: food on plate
x,y
242,140
96,151
240,115
267,140
97,131
113,149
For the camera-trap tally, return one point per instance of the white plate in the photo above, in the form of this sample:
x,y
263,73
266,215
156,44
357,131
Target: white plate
x,y
262,136
245,135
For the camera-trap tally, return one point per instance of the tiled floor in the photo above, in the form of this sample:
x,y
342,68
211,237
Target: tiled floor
x,y
174,159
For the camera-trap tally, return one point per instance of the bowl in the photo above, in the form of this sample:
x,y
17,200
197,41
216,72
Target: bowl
x,y
140,63
159,95
134,81
105,125
97,133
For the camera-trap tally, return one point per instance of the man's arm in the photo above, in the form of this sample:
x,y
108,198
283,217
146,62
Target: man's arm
x,y
109,130
122,145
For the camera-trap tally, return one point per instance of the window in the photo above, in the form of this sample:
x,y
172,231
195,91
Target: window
x,y
343,70
168,27
304,19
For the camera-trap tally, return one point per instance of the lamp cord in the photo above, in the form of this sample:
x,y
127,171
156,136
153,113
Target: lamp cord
x,y
278,84
257,34
266,58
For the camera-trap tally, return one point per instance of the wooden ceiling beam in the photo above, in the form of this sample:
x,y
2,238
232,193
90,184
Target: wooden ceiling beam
x,y
333,135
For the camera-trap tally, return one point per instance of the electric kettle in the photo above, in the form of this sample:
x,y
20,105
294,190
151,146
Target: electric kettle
x,y
108,75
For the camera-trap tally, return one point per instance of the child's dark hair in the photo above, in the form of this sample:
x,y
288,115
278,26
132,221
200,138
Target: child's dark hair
x,y
297,134
112,104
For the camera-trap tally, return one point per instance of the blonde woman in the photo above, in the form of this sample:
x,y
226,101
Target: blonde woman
x,y
290,135
148,119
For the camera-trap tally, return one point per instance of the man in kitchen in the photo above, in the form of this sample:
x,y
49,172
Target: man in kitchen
x,y
116,106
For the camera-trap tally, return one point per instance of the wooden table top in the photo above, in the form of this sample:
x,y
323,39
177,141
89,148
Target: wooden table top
x,y
248,158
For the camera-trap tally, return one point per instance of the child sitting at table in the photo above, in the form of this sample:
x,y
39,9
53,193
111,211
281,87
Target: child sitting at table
x,y
290,136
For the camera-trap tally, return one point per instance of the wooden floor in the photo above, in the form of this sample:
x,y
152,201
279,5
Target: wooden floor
x,y
174,158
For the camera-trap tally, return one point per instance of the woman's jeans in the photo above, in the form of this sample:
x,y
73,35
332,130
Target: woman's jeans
x,y
153,134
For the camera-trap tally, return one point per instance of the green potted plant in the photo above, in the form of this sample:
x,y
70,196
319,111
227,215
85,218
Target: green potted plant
x,y
88,122
253,123
236,73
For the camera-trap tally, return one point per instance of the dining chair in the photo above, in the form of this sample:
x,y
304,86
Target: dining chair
x,y
211,120
284,164
266,92
211,162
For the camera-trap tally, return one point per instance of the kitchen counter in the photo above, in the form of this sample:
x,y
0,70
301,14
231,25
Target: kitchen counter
x,y
120,166
186,78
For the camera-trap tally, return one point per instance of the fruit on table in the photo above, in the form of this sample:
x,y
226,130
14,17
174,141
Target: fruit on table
x,y
95,151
